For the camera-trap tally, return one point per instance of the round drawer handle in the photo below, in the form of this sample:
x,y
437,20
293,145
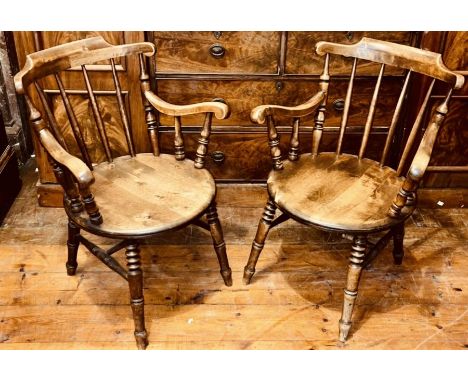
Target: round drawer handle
x,y
217,50
217,156
338,104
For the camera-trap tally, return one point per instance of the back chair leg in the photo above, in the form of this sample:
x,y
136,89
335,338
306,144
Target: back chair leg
x,y
398,236
218,243
356,260
73,243
135,283
259,241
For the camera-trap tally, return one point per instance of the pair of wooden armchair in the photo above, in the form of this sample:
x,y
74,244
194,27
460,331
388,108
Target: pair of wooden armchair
x,y
138,195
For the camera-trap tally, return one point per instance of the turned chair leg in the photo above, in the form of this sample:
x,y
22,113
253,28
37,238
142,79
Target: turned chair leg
x,y
73,243
135,283
398,236
356,260
259,241
218,243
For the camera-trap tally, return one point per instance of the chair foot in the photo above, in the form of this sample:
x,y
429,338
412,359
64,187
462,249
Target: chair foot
x,y
248,273
344,330
73,243
218,243
227,277
398,237
356,262
141,339
259,241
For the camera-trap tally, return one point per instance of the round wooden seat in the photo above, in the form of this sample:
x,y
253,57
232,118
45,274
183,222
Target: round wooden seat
x,y
337,192
146,194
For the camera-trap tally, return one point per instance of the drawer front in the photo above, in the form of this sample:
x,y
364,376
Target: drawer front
x,y
243,96
247,156
231,52
302,59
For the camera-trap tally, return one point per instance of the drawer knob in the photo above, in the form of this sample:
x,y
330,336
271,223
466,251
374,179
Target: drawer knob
x,y
217,156
349,35
217,35
279,86
217,50
338,104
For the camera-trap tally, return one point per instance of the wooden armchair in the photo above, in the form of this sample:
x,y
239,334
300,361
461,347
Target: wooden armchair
x,y
129,197
347,193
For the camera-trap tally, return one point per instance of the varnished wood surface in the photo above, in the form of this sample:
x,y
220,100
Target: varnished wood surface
x,y
303,59
244,52
342,193
243,96
145,194
384,52
293,303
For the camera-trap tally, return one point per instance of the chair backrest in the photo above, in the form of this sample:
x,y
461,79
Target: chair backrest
x,y
77,55
412,60
389,54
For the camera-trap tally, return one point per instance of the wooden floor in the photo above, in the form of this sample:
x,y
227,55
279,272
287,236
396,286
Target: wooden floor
x,y
294,301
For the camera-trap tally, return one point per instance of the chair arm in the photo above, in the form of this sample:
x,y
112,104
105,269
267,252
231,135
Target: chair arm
x,y
76,166
219,109
423,154
260,113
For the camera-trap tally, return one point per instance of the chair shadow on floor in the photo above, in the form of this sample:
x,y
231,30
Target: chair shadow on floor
x,y
318,274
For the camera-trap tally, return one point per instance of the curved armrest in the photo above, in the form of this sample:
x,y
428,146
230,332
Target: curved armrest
x,y
219,109
259,113
76,166
423,154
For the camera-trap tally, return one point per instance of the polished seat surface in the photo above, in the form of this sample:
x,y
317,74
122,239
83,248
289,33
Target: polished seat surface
x,y
337,192
146,194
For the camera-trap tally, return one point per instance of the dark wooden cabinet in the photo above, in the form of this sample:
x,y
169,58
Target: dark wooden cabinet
x,y
247,69
10,182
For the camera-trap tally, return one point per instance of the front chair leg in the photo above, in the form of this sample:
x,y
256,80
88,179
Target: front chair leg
x,y
259,241
350,293
73,243
398,232
135,283
218,243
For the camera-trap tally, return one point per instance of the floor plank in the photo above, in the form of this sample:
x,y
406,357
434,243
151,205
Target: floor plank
x,y
293,302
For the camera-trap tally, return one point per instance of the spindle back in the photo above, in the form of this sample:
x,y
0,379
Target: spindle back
x,y
387,54
74,55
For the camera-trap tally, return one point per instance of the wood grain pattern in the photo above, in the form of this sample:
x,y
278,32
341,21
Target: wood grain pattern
x,y
246,153
145,194
341,193
189,52
303,59
243,96
294,302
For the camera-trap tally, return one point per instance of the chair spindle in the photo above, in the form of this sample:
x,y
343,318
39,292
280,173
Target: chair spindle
x,y
293,154
97,115
203,141
370,116
150,116
273,142
122,109
347,104
320,114
395,118
179,149
50,117
414,130
73,122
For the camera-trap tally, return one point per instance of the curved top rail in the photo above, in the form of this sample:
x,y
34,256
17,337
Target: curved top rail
x,y
76,53
402,56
